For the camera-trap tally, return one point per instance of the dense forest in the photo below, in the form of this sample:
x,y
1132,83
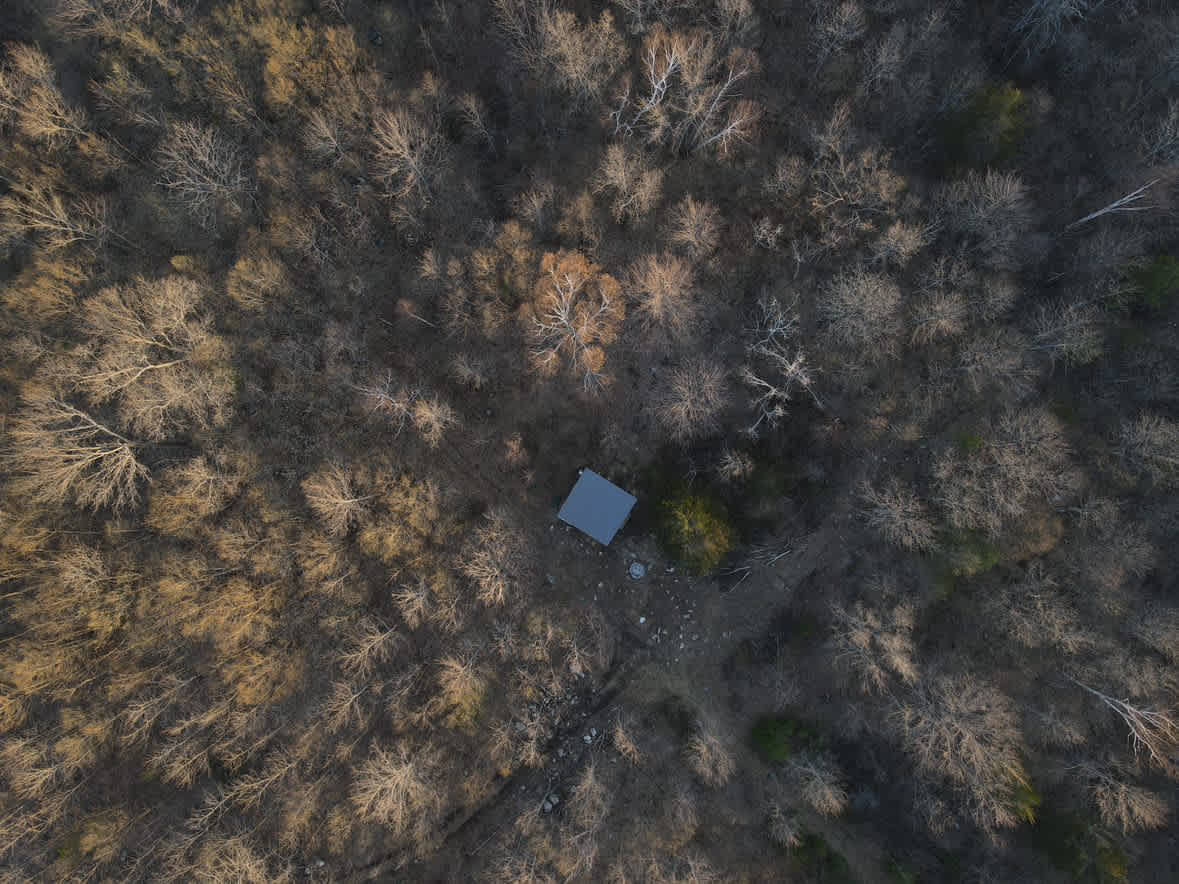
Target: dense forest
x,y
311,311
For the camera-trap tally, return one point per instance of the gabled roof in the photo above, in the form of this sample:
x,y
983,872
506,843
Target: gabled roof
x,y
597,507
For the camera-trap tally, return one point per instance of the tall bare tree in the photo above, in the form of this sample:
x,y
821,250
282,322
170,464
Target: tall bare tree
x,y
62,453
204,171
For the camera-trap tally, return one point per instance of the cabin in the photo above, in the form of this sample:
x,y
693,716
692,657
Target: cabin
x,y
596,507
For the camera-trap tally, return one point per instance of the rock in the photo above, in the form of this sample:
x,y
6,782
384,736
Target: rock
x,y
546,807
593,731
555,798
642,620
587,739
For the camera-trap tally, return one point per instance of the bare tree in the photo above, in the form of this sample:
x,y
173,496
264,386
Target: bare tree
x,y
63,453
1068,332
692,400
1024,463
777,366
323,138
899,516
1043,22
636,185
332,494
784,829
462,688
819,782
370,645
554,45
29,94
991,211
33,208
410,153
1152,733
396,787
862,313
1121,804
204,171
968,733
695,227
1037,614
1161,144
498,559
1150,445
875,645
836,25
664,288
709,756
577,314
432,417
153,349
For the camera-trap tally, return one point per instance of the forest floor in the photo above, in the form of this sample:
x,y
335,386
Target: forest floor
x,y
672,628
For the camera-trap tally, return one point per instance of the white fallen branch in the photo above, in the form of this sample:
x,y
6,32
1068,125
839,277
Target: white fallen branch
x,y
1123,205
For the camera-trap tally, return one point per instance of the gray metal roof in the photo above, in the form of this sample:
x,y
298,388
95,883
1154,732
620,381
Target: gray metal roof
x,y
597,507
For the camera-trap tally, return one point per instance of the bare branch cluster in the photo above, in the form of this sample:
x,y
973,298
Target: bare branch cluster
x,y
63,453
967,732
332,494
1150,445
692,399
33,208
204,171
1153,733
899,516
777,367
991,212
665,291
689,96
154,351
635,184
1025,463
555,46
577,314
29,95
499,558
875,645
862,313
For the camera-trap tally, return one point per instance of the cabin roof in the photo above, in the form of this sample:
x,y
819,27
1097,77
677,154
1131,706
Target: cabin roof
x,y
596,507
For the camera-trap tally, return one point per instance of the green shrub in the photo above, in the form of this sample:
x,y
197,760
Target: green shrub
x,y
970,443
970,553
1079,849
776,739
989,129
695,530
821,862
1156,283
1027,800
